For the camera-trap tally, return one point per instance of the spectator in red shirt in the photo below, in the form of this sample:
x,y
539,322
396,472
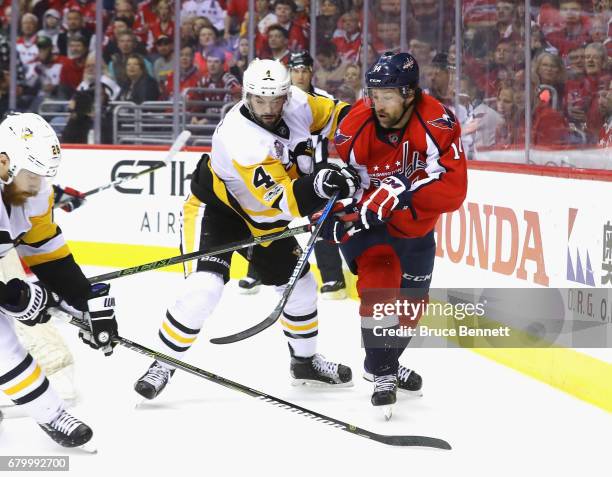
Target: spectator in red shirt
x,y
549,126
575,64
125,9
507,24
278,40
72,71
347,38
297,33
163,24
217,79
87,9
574,30
388,35
208,39
605,107
189,75
75,26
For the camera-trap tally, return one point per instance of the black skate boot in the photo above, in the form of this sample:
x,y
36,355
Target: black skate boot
x,y
408,381
249,286
318,371
333,290
153,381
384,394
67,430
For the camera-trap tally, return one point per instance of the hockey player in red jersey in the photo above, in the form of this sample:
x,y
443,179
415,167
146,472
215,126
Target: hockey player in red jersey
x,y
407,148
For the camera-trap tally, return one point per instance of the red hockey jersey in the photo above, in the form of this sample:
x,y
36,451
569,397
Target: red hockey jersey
x,y
428,151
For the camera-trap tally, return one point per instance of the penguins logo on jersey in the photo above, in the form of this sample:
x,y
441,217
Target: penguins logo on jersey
x,y
26,134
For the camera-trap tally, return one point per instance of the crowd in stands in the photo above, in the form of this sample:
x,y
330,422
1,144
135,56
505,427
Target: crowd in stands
x,y
570,95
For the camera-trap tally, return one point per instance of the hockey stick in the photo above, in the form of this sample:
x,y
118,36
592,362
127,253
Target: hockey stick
x,y
416,441
166,262
295,276
178,144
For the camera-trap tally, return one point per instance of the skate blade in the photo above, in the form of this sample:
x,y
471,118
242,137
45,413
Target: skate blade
x,y
319,384
416,394
387,412
249,291
336,295
89,448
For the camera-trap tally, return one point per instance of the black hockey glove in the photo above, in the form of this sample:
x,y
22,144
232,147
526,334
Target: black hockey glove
x,y
27,302
68,198
100,316
334,178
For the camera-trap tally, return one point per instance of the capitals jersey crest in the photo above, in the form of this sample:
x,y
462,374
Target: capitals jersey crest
x,y
340,138
447,121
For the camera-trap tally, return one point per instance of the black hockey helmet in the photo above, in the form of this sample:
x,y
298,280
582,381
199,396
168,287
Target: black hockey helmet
x,y
394,70
300,59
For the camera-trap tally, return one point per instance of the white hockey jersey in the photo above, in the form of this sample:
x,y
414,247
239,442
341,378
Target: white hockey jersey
x,y
254,169
30,229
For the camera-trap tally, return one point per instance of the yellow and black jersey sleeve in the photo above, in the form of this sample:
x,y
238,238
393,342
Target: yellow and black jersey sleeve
x,y
278,189
326,114
44,242
45,251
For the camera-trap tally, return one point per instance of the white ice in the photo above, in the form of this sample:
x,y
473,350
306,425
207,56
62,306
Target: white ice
x,y
499,422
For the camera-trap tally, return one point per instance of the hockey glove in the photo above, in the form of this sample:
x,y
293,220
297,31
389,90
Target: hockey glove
x,y
68,198
334,178
100,318
342,223
27,302
392,194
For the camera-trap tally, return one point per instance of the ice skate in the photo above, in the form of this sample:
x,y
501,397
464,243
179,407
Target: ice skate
x,y
408,381
317,371
153,382
384,394
68,431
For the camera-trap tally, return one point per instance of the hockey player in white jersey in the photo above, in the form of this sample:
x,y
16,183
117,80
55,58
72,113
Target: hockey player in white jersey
x,y
30,152
259,177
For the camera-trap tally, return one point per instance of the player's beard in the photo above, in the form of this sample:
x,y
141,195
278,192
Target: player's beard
x,y
14,196
393,122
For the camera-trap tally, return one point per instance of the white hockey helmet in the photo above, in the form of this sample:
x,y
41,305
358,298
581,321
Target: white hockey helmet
x,y
266,78
31,144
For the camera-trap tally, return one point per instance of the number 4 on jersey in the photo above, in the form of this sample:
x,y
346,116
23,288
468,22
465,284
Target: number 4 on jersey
x,y
262,178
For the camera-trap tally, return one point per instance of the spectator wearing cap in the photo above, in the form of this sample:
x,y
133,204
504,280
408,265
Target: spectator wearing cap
x,y
347,38
87,9
126,43
189,75
26,42
217,79
297,33
139,86
327,21
44,73
211,9
74,27
164,64
162,25
51,27
329,74
208,40
72,71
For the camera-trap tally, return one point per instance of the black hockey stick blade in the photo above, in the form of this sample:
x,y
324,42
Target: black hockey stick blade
x,y
403,441
295,276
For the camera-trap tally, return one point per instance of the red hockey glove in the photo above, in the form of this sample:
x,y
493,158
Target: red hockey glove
x,y
392,194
